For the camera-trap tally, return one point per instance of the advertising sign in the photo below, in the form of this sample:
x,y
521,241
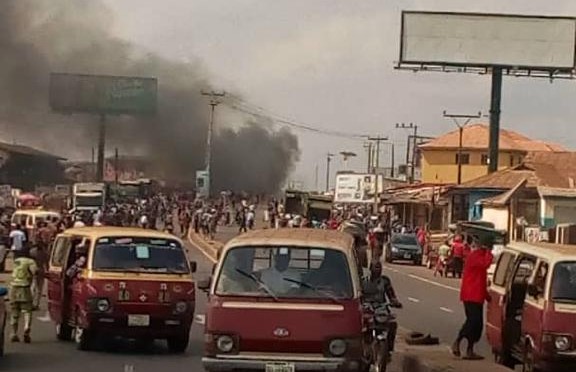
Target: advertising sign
x,y
202,184
480,40
357,188
98,94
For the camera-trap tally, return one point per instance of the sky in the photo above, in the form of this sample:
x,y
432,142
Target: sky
x,y
330,64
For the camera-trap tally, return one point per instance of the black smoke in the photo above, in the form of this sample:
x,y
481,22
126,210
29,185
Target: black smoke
x,y
38,37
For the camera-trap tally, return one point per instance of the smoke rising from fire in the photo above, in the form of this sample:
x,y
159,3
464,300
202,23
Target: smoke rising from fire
x,y
38,37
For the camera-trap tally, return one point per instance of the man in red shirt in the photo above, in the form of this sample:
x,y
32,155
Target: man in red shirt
x,y
473,293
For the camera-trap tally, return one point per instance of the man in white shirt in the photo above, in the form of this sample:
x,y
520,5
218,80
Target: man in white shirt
x,y
274,276
17,239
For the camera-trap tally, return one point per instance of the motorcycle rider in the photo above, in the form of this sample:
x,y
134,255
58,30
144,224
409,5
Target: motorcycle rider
x,y
379,289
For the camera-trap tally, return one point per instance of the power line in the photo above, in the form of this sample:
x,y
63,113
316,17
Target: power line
x,y
258,111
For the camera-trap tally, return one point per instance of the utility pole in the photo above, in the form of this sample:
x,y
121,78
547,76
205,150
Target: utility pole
x,y
368,147
377,140
460,125
392,165
413,162
328,160
208,159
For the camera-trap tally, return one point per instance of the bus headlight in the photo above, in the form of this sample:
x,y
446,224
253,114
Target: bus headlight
x,y
101,305
180,307
562,343
337,347
225,343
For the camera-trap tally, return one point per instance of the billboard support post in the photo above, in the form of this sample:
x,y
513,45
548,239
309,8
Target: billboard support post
x,y
101,147
495,102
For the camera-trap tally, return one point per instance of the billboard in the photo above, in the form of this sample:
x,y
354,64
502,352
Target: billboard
x,y
202,184
357,188
482,40
99,94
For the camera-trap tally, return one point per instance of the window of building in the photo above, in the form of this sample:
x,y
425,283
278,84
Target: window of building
x,y
484,159
465,159
511,160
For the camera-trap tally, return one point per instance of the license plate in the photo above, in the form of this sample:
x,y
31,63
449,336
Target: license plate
x,y
407,256
138,320
280,367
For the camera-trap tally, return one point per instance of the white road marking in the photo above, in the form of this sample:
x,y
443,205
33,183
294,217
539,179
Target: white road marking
x,y
200,319
412,299
433,282
446,309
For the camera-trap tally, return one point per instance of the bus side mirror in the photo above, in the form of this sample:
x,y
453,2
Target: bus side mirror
x,y
193,266
204,285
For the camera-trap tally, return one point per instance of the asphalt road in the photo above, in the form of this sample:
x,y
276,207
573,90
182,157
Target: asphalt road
x,y
431,304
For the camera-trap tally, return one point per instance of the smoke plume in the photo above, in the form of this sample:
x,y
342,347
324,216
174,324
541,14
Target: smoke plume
x,y
38,37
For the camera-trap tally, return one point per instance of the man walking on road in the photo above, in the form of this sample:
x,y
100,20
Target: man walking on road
x,y
473,293
21,300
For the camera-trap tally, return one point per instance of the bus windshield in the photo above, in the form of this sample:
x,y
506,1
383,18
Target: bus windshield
x,y
285,272
139,254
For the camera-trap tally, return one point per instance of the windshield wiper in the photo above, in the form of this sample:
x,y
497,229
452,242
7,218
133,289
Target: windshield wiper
x,y
259,282
310,286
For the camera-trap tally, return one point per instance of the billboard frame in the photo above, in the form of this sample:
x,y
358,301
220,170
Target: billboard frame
x,y
483,69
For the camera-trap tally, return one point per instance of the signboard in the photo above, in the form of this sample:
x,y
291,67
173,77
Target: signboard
x,y
357,188
483,40
98,94
202,184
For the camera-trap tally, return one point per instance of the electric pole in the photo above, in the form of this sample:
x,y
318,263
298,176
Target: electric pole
x,y
368,147
460,125
377,140
328,160
413,162
208,159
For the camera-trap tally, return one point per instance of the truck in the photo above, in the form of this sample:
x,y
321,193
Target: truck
x,y
89,196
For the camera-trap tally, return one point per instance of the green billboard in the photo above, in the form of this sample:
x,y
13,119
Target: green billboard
x,y
102,94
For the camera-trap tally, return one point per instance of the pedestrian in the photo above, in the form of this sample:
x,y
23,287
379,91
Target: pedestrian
x,y
457,256
473,294
17,239
21,300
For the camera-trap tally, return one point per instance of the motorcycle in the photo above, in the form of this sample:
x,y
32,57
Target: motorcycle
x,y
378,317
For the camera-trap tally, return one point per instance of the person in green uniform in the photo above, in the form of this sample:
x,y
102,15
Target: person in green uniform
x,y
21,299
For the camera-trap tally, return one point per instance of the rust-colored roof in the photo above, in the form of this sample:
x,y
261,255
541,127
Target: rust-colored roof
x,y
476,136
540,169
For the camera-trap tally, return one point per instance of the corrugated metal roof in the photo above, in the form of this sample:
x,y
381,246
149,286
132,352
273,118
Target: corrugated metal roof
x,y
477,136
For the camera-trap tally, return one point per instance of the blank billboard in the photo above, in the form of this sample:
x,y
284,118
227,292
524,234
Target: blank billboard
x,y
483,40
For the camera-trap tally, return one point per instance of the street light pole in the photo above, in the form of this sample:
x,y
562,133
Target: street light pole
x,y
455,118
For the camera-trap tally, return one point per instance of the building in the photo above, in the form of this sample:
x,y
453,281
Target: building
x,y
539,193
439,157
25,167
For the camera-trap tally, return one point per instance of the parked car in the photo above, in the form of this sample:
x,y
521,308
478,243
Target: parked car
x,y
404,247
3,317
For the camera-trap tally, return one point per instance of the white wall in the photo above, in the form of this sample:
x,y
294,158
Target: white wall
x,y
497,215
